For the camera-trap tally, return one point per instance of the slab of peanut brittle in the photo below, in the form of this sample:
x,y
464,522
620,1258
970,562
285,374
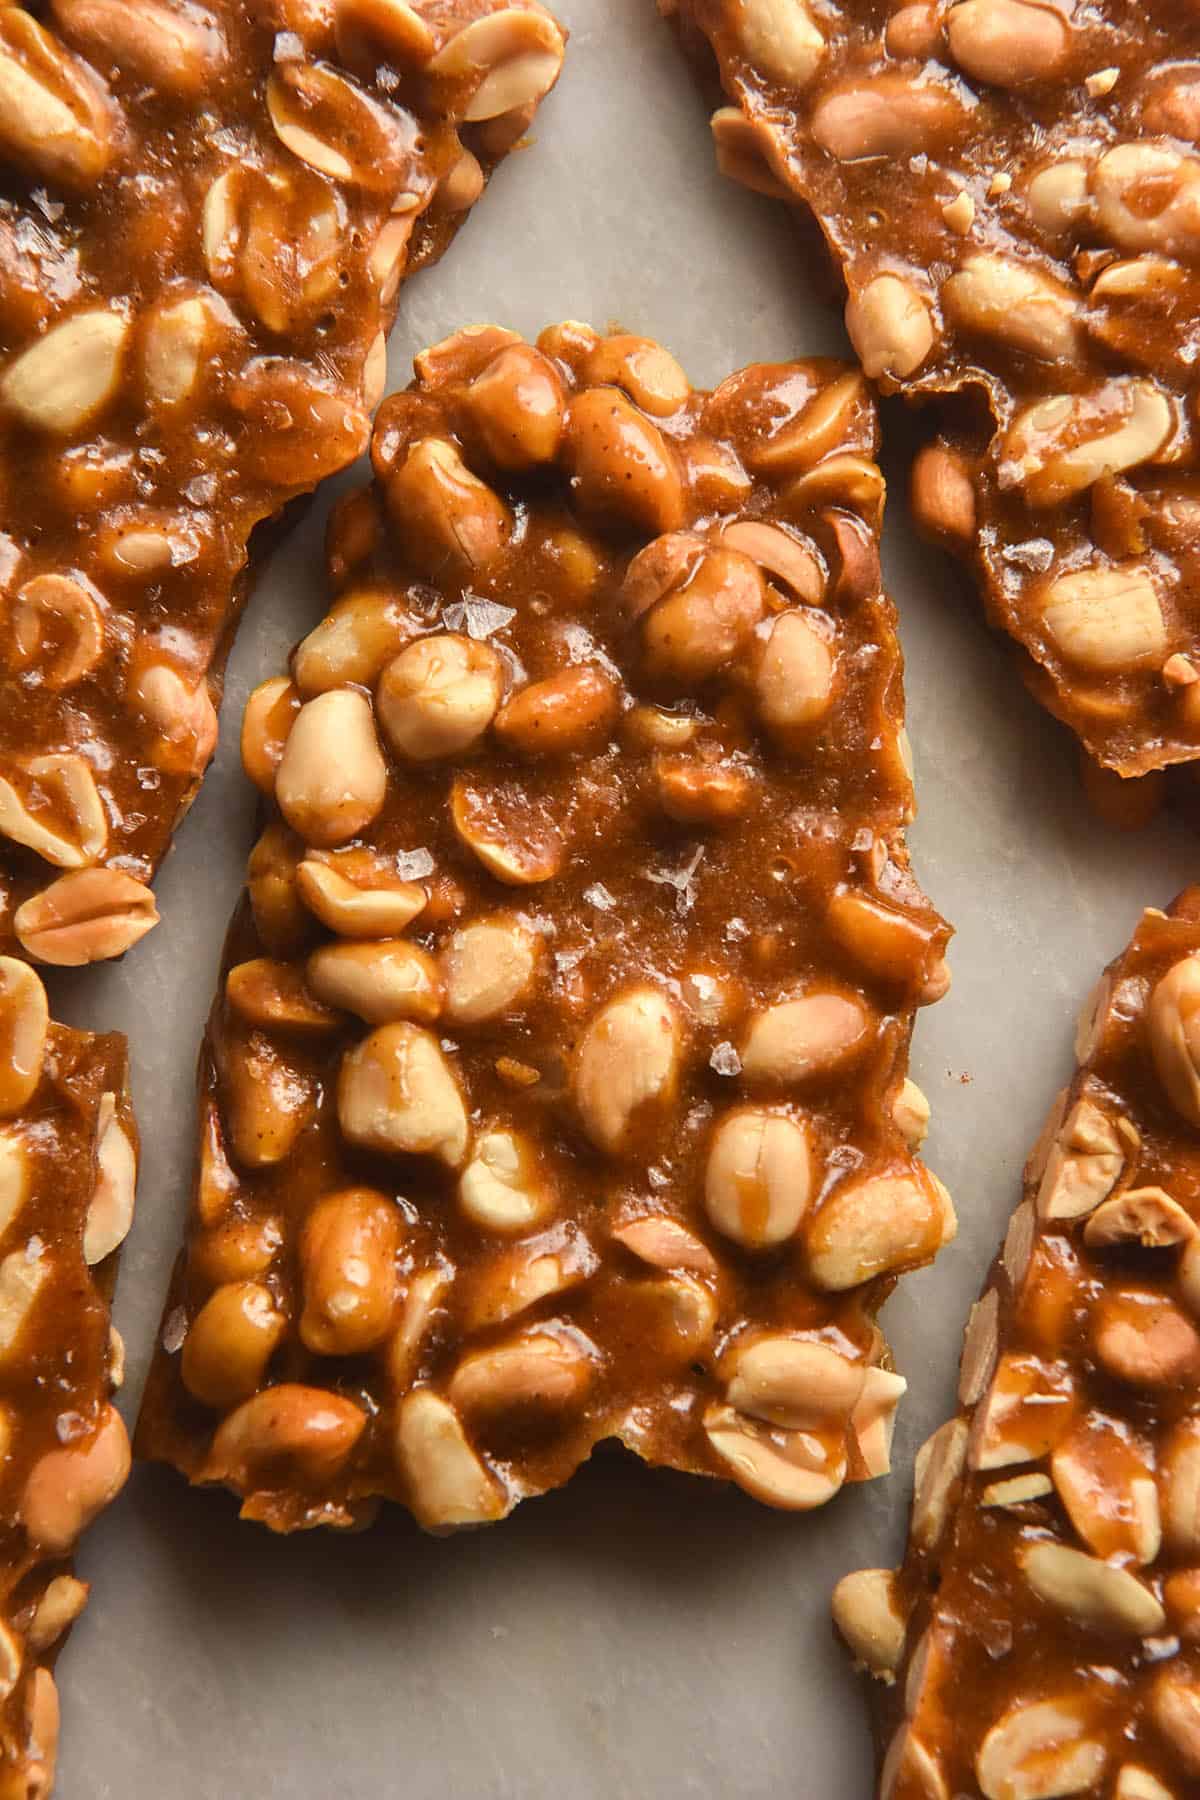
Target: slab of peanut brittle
x,y
556,1087
1010,189
208,211
68,1153
1043,1634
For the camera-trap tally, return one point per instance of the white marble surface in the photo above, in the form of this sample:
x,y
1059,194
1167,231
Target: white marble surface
x,y
637,1634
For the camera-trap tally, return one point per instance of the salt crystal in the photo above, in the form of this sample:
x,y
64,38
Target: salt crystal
x,y
725,1060
479,618
1035,553
680,880
414,865
598,895
174,1331
736,930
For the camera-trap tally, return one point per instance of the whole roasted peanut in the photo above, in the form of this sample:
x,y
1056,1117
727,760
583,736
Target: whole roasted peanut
x,y
239,1249
1057,448
335,127
939,1465
623,472
70,826
867,1608
24,1024
1090,1591
649,374
452,362
796,1382
355,640
1179,1484
180,710
230,1342
538,1372
110,1210
85,916
268,993
878,1225
382,980
368,32
448,1483
178,340
1175,1710
1142,1338
1173,1030
173,52
673,1317
1105,1479
911,1114
943,496
57,1610
1008,43
317,431
665,1244
447,519
439,696
891,945
67,1488
67,377
1045,1744
705,794
703,618
781,37
56,115
23,1277
890,326
15,1183
1147,197
1146,1216
280,916
794,1040
357,896
511,56
516,838
794,675
562,715
348,1253
269,716
915,30
759,1176
785,558
502,1188
285,1436
789,1469
268,1100
1005,299
488,968
57,626
514,409
332,779
397,1093
834,421
626,1067
886,115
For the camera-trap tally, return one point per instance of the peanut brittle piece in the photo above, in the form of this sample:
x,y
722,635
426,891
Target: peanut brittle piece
x,y
208,210
68,1163
1043,1634
1011,191
555,1090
